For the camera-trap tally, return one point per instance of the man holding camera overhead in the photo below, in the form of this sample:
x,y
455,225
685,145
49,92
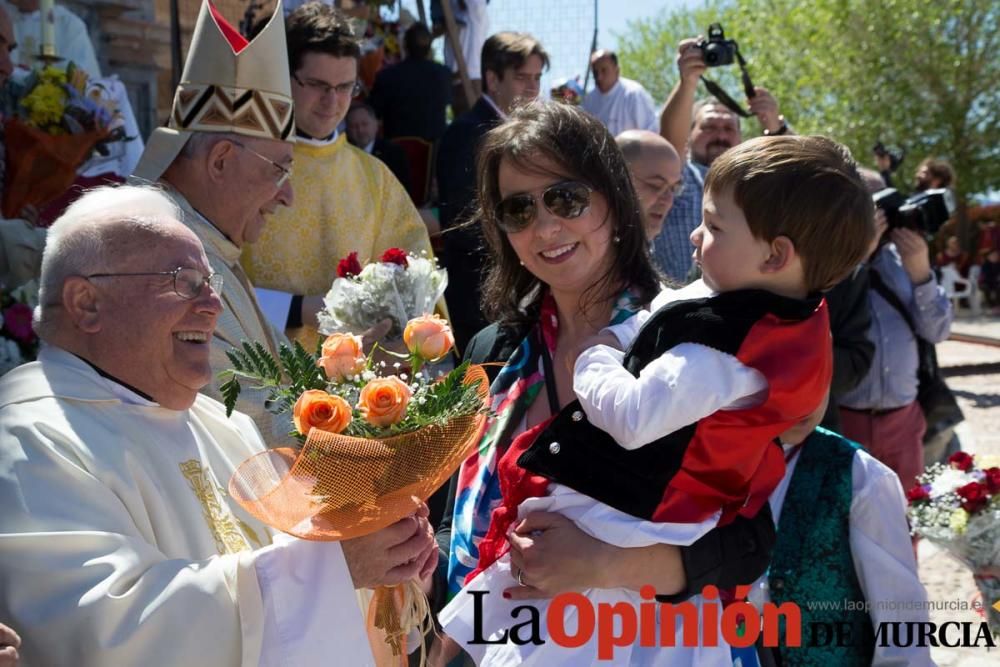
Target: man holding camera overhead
x,y
702,132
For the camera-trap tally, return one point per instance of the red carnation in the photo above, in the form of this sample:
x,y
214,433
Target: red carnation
x,y
974,496
395,256
917,494
992,480
17,320
349,266
961,460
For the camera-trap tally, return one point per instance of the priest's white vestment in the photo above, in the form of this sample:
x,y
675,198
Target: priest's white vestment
x,y
119,544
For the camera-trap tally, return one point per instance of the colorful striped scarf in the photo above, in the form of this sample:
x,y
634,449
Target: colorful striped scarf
x,y
515,388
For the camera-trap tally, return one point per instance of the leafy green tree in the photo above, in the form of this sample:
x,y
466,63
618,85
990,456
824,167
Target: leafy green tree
x,y
925,76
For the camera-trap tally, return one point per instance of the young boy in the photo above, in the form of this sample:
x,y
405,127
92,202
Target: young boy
x,y
677,435
842,536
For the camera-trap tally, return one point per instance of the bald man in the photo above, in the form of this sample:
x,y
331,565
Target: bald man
x,y
656,175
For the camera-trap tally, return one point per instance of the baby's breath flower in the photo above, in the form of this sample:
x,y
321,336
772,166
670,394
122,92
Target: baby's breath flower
x,y
958,520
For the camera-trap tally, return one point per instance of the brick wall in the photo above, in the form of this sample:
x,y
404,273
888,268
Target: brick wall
x,y
132,40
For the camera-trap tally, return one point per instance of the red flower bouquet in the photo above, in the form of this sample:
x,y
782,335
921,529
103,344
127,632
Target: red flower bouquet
x,y
957,507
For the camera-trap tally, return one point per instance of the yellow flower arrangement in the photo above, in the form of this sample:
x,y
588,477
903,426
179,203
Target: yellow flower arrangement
x,y
46,103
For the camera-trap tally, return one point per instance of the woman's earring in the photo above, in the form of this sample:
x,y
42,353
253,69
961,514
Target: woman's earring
x,y
520,262
617,239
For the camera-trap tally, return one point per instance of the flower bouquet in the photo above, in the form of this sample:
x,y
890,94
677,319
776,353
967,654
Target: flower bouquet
x,y
958,508
18,342
53,128
399,287
375,447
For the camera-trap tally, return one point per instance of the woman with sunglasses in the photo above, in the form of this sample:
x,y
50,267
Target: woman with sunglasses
x,y
569,257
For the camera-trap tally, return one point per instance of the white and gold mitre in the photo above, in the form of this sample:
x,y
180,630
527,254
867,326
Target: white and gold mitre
x,y
228,85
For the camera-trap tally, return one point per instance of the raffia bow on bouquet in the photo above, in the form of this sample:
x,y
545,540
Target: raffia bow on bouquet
x,y
375,447
957,507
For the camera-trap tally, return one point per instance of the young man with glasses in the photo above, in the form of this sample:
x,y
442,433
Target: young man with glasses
x,y
512,66
346,200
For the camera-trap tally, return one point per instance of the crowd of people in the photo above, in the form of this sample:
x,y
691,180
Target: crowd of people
x,y
704,354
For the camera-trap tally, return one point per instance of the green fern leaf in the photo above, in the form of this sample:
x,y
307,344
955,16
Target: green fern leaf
x,y
230,392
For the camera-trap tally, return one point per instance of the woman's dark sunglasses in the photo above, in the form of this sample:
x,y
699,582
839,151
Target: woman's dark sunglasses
x,y
568,200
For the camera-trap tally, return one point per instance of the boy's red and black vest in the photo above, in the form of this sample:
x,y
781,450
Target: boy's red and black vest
x,y
726,460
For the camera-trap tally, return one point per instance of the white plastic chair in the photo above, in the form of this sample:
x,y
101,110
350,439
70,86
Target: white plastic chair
x,y
956,287
975,301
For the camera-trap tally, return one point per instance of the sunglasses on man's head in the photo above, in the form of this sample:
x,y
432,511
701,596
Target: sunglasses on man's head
x,y
568,200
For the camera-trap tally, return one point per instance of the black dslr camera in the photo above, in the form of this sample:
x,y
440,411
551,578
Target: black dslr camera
x,y
924,212
717,50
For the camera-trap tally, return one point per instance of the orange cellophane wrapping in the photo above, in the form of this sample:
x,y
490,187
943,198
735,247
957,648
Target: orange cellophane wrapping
x,y
367,484
40,166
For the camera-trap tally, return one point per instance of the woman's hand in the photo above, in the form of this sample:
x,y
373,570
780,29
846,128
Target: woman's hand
x,y
387,348
553,556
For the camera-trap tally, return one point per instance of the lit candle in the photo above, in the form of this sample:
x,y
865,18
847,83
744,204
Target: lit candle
x,y
47,15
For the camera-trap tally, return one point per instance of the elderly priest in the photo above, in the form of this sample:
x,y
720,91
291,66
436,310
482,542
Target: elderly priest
x,y
118,542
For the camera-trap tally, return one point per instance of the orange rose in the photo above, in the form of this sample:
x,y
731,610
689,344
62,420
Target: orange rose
x,y
342,356
318,409
383,401
428,337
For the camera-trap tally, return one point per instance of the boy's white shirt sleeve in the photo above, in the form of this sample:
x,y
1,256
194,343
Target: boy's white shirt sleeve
x,y
629,329
688,382
883,556
626,331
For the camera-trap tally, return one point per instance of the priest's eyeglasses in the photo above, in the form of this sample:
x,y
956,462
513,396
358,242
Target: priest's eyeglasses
x,y
285,172
188,283
352,88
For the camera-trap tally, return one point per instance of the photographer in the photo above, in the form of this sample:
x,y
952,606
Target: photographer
x,y
702,132
882,412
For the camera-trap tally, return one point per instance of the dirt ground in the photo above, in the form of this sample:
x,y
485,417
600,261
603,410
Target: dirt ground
x,y
973,373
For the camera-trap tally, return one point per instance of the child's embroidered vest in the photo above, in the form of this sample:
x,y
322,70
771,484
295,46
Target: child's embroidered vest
x,y
812,558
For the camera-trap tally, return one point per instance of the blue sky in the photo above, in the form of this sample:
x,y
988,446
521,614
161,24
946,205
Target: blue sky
x,y
613,15
568,40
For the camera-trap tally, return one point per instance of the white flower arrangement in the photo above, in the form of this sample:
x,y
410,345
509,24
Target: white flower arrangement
x,y
957,507
400,287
